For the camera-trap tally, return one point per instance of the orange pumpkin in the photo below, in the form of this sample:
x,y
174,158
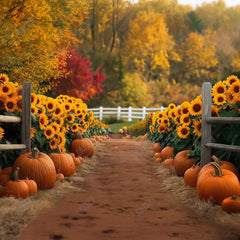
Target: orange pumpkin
x,y
182,162
64,162
156,147
7,171
216,184
16,188
191,176
77,161
168,162
32,185
37,166
231,204
60,176
82,146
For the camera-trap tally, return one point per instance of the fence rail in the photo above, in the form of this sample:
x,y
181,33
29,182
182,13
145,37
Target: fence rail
x,y
207,121
121,112
25,120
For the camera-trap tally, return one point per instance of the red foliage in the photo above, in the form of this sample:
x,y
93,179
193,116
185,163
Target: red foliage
x,y
80,81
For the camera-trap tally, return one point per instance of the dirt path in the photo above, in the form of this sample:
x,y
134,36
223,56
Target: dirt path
x,y
123,200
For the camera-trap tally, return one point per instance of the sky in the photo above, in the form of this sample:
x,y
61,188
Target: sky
x,y
194,3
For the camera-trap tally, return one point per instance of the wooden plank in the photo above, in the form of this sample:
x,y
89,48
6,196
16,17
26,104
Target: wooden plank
x,y
10,119
26,116
225,147
223,120
12,146
206,127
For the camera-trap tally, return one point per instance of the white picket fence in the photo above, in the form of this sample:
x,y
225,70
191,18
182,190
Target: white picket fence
x,y
120,112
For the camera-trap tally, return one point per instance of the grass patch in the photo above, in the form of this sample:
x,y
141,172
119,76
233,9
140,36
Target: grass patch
x,y
116,126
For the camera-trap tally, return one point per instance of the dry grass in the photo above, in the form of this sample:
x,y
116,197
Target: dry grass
x,y
16,213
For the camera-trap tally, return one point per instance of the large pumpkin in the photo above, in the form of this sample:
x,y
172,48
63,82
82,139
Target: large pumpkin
x,y
82,146
182,162
37,166
63,162
231,204
216,184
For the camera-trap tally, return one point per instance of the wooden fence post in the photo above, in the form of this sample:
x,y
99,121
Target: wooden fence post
x,y
143,113
101,113
130,114
26,116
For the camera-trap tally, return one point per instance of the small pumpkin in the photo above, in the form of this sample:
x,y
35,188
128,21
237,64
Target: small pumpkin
x,y
182,162
32,185
191,175
216,184
77,161
156,147
82,146
159,159
15,187
168,162
64,162
231,204
167,152
37,166
60,176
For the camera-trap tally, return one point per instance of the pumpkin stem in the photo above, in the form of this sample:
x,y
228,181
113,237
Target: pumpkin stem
x,y
79,135
35,153
15,174
59,149
217,168
216,160
234,197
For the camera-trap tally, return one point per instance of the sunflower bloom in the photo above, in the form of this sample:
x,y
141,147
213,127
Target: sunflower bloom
x,y
1,133
33,131
61,139
162,129
43,121
195,107
185,106
74,127
185,120
6,89
215,111
197,127
56,127
10,105
33,99
70,118
3,78
231,79
67,106
18,104
34,110
59,121
53,143
219,99
49,132
235,88
183,131
58,110
41,109
218,88
82,122
171,106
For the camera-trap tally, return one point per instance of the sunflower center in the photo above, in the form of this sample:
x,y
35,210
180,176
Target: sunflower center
x,y
231,81
10,105
48,132
50,106
185,111
220,99
184,131
5,89
57,111
196,108
236,89
220,90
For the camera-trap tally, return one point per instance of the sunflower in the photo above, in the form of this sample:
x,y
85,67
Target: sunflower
x,y
56,127
185,106
67,106
61,139
82,122
236,100
5,89
218,88
231,79
34,110
74,127
3,78
19,103
185,120
19,90
41,109
1,133
159,121
195,106
53,143
10,105
166,121
183,131
51,105
33,131
171,106
33,98
70,118
172,113
152,130
229,96
49,132
162,128
43,121
215,111
197,127
58,110
219,99
235,88
59,121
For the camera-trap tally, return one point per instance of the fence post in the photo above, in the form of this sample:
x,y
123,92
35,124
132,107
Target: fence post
x,y
101,113
118,113
206,127
26,116
143,113
130,114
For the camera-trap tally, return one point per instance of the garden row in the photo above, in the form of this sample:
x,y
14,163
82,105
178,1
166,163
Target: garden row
x,y
62,134
176,132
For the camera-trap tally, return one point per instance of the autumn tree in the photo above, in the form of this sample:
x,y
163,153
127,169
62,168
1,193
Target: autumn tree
x,y
80,80
149,46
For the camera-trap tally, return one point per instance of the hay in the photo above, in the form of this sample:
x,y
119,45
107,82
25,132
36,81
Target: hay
x,y
17,213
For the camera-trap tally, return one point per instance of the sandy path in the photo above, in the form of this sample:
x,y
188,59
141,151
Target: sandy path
x,y
123,200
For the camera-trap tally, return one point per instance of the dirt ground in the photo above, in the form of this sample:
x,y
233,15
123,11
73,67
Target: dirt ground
x,y
125,199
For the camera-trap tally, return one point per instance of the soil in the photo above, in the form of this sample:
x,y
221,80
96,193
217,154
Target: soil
x,y
124,199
